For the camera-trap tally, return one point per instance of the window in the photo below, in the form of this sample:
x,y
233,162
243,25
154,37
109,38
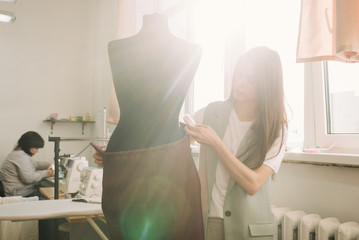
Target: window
x,y
342,97
216,22
322,81
271,26
319,114
322,98
247,25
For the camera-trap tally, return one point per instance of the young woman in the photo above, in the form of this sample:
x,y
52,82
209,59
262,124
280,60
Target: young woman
x,y
19,173
242,145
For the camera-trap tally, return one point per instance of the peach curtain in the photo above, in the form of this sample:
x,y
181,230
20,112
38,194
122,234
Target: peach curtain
x,y
329,30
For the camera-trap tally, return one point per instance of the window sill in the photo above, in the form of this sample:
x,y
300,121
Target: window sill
x,y
323,159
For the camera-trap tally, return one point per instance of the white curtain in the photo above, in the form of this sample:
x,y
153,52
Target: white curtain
x,y
329,30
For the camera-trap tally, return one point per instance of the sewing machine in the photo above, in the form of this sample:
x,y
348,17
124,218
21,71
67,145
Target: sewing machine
x,y
62,159
91,182
73,167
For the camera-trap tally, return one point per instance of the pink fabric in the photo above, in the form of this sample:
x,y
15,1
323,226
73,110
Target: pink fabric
x,y
329,30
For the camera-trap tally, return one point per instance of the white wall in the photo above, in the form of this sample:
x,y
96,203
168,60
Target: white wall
x,y
54,59
106,24
324,190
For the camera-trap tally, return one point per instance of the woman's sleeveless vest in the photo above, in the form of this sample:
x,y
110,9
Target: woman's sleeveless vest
x,y
245,216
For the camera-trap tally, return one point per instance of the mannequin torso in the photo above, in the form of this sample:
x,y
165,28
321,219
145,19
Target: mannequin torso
x,y
152,72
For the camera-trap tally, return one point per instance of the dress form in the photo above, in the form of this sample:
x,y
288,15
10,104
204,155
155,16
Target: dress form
x,y
152,72
151,188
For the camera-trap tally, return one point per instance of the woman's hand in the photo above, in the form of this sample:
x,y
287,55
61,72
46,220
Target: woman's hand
x,y
98,159
203,134
50,171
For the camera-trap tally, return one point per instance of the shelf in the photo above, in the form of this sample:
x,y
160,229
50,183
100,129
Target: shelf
x,y
83,123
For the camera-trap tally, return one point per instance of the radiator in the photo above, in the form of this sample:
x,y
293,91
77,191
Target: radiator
x,y
299,225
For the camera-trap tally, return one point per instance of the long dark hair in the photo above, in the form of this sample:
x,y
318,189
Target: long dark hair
x,y
29,140
271,118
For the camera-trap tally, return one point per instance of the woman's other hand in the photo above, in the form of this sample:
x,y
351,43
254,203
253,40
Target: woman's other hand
x,y
203,134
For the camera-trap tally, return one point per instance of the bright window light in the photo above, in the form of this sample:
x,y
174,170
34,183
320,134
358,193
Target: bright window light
x,y
271,26
343,98
215,23
7,17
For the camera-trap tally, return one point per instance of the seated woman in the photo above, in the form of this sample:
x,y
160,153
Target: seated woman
x,y
19,173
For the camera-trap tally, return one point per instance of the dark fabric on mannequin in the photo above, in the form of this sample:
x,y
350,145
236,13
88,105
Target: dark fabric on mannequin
x,y
152,193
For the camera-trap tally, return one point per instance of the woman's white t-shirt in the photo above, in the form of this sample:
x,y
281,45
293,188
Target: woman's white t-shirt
x,y
233,137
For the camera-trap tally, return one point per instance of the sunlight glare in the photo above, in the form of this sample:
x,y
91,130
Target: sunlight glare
x,y
215,23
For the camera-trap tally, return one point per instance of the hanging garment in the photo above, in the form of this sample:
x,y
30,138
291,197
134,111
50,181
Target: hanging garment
x,y
152,193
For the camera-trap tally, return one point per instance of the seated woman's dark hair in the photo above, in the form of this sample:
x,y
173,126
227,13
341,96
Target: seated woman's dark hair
x,y
29,140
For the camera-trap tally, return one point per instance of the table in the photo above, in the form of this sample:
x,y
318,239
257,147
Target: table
x,y
77,226
78,214
48,193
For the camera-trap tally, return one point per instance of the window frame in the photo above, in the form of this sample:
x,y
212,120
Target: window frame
x,y
316,114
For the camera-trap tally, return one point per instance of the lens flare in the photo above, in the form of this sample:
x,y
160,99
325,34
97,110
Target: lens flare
x,y
152,208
